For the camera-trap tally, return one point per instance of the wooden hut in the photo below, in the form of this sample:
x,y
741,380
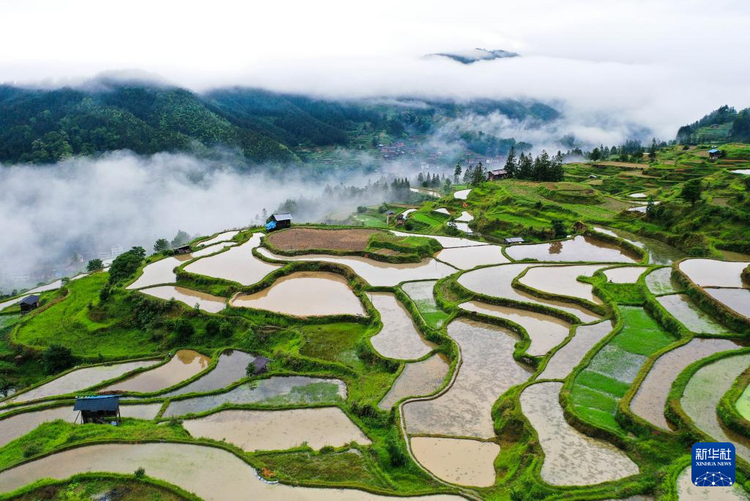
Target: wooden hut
x,y
101,409
279,221
260,365
497,174
714,153
29,303
183,249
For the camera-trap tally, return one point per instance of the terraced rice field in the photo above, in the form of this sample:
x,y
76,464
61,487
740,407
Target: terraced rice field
x,y
236,264
421,293
465,258
599,388
660,282
651,398
680,307
702,395
571,458
279,430
399,337
276,390
458,461
417,379
563,281
580,248
183,365
230,368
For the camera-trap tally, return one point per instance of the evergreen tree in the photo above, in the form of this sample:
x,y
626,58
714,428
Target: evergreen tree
x,y
457,172
510,163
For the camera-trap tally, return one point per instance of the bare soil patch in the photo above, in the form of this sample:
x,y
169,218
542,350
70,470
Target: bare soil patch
x,y
315,238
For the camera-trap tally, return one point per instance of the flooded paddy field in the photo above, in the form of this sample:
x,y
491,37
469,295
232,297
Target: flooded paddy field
x,y
212,474
702,395
159,272
277,390
737,300
687,491
80,379
600,386
680,307
16,426
221,237
571,458
305,294
377,273
713,273
743,403
497,282
658,252
651,398
417,379
399,337
545,331
230,368
237,264
446,242
624,274
569,356
462,194
421,293
206,302
580,248
465,258
183,365
562,281
277,430
316,238
488,370
458,461
661,282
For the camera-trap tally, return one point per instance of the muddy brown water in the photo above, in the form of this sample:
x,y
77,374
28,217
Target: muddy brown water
x,y
562,281
278,430
417,379
183,365
399,337
377,273
569,356
230,368
497,282
734,256
305,294
735,299
686,491
660,281
206,302
16,426
680,307
488,370
624,274
571,458
237,264
466,258
210,473
713,273
545,331
159,272
458,461
651,398
277,390
580,248
79,380
702,395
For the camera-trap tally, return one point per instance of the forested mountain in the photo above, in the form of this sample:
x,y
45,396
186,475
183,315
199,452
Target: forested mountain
x,y
721,125
42,126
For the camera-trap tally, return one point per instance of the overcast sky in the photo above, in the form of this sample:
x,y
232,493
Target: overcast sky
x,y
660,63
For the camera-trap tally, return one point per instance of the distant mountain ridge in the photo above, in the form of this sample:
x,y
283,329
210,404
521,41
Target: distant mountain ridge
x,y
44,126
475,55
721,125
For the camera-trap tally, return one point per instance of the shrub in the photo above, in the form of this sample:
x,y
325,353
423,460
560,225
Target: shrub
x,y
94,265
57,358
213,326
140,472
126,264
184,330
395,453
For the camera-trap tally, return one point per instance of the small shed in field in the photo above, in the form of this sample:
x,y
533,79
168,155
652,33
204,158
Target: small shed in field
x,y
514,240
102,409
29,303
714,153
279,221
496,174
260,365
183,249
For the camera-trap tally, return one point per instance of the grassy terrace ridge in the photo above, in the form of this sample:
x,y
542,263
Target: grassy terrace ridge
x,y
102,321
